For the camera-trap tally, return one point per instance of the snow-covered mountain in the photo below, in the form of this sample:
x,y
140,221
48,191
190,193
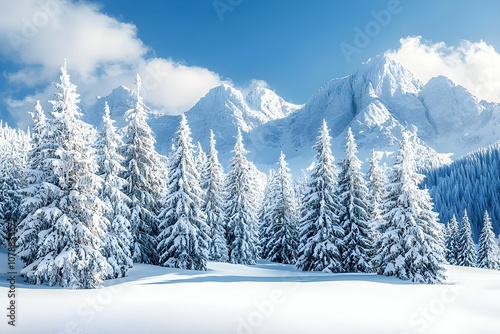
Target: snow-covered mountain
x,y
378,101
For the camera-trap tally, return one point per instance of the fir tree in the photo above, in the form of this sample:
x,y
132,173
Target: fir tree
x,y
14,146
320,231
488,255
265,214
212,182
451,241
68,251
376,183
241,208
466,252
357,249
41,189
200,159
412,245
282,235
183,240
118,238
145,176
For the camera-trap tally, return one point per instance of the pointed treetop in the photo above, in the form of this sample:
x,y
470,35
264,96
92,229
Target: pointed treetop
x,y
282,161
324,128
351,147
138,84
107,113
212,139
238,146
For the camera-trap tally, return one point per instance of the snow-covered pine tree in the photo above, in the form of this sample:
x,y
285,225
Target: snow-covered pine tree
x,y
41,189
357,246
265,213
376,183
451,243
184,239
320,232
412,245
241,208
69,249
200,159
466,251
212,182
14,147
118,238
283,232
145,176
488,255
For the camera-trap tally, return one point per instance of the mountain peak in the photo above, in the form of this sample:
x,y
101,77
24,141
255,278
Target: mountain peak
x,y
387,75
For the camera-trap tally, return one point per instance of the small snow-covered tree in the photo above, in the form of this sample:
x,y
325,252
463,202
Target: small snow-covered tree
x,y
320,231
357,245
488,256
265,213
118,238
376,183
466,251
200,158
282,234
412,245
68,251
145,176
241,207
184,239
212,182
451,242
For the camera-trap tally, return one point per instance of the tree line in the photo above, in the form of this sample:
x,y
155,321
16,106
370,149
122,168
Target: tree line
x,y
89,203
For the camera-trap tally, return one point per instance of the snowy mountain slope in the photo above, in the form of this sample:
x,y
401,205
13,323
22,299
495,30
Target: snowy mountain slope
x,y
378,101
265,298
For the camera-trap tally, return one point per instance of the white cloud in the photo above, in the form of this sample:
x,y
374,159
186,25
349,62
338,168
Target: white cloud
x,y
476,66
102,53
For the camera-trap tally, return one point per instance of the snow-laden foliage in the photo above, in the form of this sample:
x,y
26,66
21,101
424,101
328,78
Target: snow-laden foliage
x,y
14,149
265,217
487,255
68,246
118,238
241,207
320,230
357,244
281,235
200,158
412,245
184,238
376,183
466,251
145,176
212,183
451,241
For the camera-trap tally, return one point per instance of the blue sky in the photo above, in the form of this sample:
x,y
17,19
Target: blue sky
x,y
294,46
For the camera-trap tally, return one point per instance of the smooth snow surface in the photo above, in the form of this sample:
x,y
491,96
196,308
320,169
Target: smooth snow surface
x,y
264,298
